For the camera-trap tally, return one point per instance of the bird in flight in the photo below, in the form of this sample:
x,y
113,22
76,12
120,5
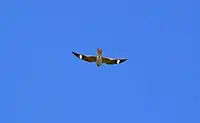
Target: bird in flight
x,y
99,59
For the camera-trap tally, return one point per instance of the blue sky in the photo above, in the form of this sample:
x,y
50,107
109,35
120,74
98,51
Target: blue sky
x,y
41,81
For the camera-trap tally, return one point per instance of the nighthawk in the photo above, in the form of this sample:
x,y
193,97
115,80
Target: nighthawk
x,y
99,59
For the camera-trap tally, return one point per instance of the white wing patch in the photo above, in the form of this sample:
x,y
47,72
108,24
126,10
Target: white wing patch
x,y
80,56
118,61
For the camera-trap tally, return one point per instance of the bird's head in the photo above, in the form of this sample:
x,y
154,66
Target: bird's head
x,y
99,51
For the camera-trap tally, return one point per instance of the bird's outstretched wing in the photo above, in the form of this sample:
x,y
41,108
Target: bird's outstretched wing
x,y
112,61
85,57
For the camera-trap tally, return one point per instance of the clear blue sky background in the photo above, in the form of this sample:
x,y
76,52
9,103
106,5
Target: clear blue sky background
x,y
42,82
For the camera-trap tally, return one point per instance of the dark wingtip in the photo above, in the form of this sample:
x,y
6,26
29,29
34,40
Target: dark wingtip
x,y
75,54
123,60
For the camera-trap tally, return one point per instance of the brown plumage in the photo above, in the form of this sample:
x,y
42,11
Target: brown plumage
x,y
99,59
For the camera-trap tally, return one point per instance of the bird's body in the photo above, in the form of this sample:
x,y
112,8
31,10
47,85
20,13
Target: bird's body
x,y
99,59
